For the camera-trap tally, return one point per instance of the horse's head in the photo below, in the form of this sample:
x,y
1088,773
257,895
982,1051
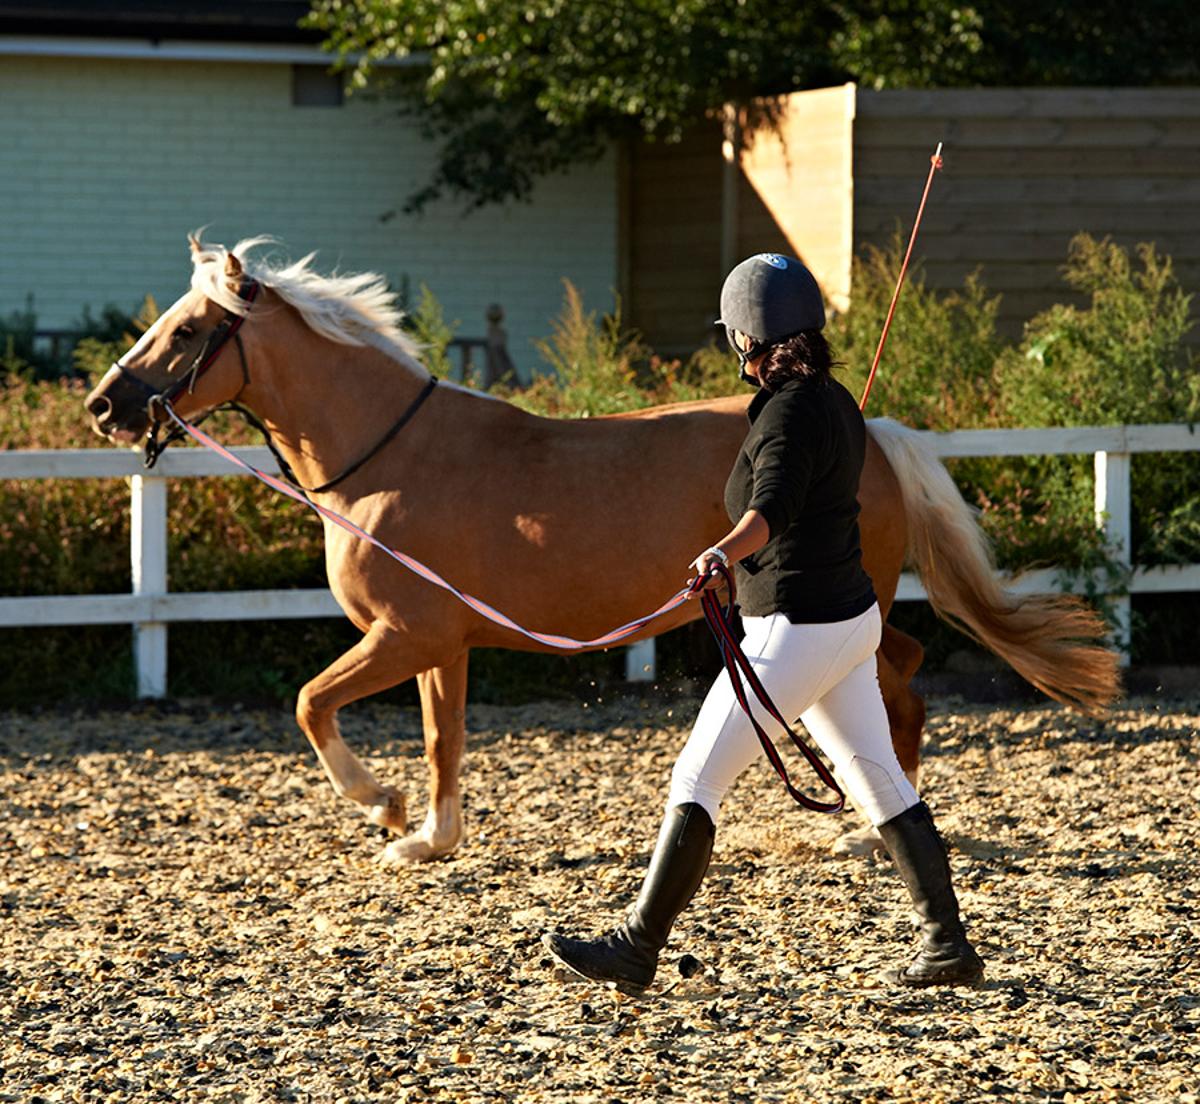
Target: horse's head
x,y
187,356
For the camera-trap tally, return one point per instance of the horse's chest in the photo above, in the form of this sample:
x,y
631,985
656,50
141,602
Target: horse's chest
x,y
356,570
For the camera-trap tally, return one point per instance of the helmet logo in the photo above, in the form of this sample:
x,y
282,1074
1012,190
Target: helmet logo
x,y
774,260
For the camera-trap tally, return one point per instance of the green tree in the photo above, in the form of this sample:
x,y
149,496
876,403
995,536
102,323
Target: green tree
x,y
511,90
894,43
514,90
1086,42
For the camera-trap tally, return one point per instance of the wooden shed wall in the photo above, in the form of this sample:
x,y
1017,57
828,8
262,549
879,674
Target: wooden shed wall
x,y
792,195
1025,170
795,187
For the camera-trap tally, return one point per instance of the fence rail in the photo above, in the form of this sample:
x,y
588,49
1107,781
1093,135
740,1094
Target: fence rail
x,y
150,608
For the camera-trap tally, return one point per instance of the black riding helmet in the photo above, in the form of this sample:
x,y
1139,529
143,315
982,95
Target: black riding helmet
x,y
769,297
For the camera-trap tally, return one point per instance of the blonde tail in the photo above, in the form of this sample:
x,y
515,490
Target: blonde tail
x,y
1048,639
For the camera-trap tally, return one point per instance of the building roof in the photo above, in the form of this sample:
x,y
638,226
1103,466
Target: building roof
x,y
212,21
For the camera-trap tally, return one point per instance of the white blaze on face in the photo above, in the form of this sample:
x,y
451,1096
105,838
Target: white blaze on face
x,y
124,436
142,343
108,377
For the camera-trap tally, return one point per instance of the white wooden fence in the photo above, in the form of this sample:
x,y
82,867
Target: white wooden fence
x,y
150,608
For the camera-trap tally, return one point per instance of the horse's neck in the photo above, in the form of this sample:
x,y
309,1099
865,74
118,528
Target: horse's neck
x,y
326,405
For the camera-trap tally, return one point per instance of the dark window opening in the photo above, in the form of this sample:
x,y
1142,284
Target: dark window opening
x,y
315,86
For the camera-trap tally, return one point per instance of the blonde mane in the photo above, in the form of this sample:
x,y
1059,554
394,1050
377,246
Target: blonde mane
x,y
351,309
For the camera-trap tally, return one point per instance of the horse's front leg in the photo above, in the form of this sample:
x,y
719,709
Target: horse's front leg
x,y
383,658
443,711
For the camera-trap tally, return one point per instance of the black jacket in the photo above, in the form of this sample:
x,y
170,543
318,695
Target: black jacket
x,y
799,467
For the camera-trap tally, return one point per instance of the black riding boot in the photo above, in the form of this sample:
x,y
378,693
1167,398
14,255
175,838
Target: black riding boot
x,y
628,956
945,957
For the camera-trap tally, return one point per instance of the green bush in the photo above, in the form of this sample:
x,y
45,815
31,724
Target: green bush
x,y
19,352
433,334
18,357
1119,357
1122,358
598,367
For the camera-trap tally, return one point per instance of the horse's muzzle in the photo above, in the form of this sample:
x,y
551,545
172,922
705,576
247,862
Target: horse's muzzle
x,y
118,410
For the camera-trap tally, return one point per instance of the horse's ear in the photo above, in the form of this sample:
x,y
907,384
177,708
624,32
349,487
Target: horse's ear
x,y
194,242
233,267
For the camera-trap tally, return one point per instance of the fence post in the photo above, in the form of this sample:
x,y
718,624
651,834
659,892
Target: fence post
x,y
498,364
148,559
640,661
1113,503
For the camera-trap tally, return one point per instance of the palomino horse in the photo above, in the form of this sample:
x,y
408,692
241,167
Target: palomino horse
x,y
570,527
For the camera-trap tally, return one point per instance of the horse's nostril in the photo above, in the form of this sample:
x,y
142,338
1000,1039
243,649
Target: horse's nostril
x,y
98,406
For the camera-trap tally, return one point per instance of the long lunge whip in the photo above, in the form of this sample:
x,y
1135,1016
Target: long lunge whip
x,y
935,163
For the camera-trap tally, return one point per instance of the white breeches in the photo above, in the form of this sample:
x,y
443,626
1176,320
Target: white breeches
x,y
826,676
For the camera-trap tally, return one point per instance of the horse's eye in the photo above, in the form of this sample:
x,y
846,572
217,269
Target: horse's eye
x,y
183,333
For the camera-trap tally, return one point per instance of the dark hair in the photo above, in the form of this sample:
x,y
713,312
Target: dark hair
x,y
805,355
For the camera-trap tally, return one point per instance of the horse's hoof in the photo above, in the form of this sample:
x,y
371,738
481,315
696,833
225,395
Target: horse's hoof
x,y
391,812
863,842
417,848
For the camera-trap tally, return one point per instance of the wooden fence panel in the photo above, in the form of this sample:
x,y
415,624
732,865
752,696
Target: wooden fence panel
x,y
1025,170
1005,103
795,192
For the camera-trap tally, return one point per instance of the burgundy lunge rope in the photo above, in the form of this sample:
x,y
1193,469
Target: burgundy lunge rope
x,y
720,620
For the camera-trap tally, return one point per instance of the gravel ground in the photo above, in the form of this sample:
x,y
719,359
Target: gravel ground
x,y
188,913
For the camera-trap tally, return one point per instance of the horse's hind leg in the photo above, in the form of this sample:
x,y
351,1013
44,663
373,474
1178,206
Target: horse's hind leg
x,y
902,656
899,657
380,660
443,711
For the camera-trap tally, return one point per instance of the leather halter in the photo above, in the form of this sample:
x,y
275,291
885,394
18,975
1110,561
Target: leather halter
x,y
225,330
207,356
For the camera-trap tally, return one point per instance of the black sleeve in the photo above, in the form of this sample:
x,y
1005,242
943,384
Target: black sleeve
x,y
783,466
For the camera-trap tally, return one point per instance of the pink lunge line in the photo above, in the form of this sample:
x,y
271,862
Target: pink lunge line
x,y
552,640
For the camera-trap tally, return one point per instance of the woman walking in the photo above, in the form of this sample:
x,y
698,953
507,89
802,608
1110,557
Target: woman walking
x,y
812,626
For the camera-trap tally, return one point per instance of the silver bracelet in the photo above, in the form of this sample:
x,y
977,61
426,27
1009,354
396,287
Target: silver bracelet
x,y
719,553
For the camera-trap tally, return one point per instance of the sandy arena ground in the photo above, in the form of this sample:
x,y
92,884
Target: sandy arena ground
x,y
188,913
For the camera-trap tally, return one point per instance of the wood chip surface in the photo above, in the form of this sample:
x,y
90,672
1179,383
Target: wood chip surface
x,y
188,913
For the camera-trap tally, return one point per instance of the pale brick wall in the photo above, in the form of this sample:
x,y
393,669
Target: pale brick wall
x,y
108,164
